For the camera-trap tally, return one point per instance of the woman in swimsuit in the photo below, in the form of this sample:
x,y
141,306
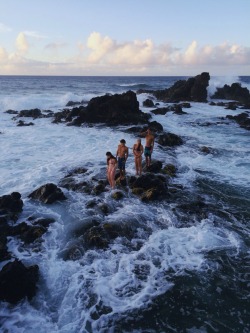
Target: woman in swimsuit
x,y
111,168
138,151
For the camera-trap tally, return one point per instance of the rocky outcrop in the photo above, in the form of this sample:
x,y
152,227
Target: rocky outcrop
x,y
242,119
193,89
11,205
234,92
18,282
149,186
48,194
169,139
23,123
148,103
33,113
118,109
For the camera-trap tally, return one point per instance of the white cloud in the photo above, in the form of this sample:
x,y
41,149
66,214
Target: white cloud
x,y
22,43
34,34
102,55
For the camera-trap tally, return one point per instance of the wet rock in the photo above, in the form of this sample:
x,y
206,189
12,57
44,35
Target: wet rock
x,y
169,139
148,103
48,194
155,167
206,150
234,92
23,123
99,188
11,112
170,170
161,111
11,205
104,208
44,222
118,109
18,282
33,113
155,126
4,254
72,103
242,119
193,89
101,236
121,182
154,186
117,195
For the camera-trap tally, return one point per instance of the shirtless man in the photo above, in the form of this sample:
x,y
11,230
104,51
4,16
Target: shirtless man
x,y
149,146
122,154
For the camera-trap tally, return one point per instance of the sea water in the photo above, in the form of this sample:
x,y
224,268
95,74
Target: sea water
x,y
177,274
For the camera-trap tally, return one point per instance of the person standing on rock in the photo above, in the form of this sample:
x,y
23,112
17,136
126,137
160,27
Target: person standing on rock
x,y
122,155
149,146
138,151
111,168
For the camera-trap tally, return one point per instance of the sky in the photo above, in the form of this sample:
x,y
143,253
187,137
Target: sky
x,y
132,37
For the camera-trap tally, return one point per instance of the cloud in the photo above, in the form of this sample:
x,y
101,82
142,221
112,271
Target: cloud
x,y
102,55
22,43
34,34
55,46
4,28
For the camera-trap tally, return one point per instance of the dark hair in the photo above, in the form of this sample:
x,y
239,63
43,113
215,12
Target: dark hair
x,y
109,156
122,141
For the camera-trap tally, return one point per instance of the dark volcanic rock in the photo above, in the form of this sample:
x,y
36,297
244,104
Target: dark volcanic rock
x,y
149,186
242,119
48,194
34,113
155,167
23,123
169,139
118,109
155,126
170,170
234,92
11,112
11,205
193,89
18,281
148,103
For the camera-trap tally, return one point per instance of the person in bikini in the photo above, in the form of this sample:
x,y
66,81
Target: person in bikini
x,y
122,154
111,168
150,140
138,151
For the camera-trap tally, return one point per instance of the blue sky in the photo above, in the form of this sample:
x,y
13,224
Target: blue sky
x,y
132,37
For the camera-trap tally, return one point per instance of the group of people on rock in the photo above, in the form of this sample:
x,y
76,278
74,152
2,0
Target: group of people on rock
x,y
122,156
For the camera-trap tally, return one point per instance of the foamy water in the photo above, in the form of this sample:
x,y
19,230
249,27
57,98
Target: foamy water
x,y
102,289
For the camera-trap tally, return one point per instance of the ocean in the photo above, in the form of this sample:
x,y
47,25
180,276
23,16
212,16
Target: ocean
x,y
180,272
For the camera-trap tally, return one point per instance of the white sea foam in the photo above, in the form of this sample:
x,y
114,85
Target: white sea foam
x,y
87,294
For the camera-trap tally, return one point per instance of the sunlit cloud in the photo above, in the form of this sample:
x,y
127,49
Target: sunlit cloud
x,y
22,43
34,34
102,55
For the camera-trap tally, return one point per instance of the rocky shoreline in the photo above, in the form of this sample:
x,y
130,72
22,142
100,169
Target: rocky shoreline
x,y
155,185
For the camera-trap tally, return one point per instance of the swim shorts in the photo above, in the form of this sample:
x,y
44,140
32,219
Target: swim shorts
x,y
121,163
147,151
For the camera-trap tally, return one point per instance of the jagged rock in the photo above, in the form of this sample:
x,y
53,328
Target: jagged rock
x,y
153,186
117,195
205,150
193,89
169,139
18,281
170,170
4,254
98,189
118,109
71,103
11,112
242,119
48,193
23,123
161,111
155,126
234,92
148,103
33,113
11,205
155,167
